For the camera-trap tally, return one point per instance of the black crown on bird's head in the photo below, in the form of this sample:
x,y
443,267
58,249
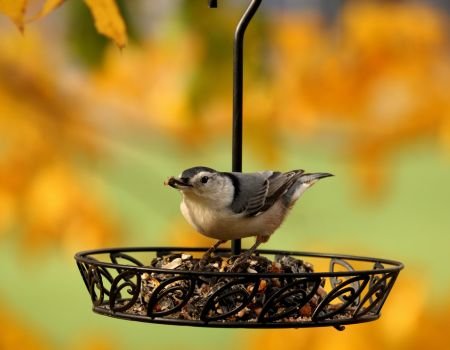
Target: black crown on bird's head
x,y
189,173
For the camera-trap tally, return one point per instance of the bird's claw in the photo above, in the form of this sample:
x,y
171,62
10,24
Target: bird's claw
x,y
240,259
201,264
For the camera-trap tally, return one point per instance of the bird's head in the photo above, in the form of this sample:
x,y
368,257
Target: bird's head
x,y
203,183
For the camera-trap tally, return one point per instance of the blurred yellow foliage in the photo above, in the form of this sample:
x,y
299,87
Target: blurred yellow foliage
x,y
42,127
57,208
108,20
47,7
372,83
379,80
15,10
17,335
150,85
106,14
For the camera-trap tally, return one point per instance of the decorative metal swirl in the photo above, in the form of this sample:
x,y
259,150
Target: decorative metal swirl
x,y
289,299
230,299
95,278
115,256
122,281
95,285
348,291
173,293
376,295
123,286
337,281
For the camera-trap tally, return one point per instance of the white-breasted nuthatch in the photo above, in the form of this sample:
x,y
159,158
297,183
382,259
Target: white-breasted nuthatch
x,y
232,205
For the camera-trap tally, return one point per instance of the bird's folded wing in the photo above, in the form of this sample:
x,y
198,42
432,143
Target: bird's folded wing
x,y
269,191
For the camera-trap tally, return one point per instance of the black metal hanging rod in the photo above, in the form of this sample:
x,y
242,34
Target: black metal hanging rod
x,y
238,70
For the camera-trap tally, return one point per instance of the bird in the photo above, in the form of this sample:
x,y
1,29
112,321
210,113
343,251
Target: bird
x,y
233,205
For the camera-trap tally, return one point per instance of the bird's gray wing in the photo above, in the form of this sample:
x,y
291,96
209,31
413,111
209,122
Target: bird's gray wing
x,y
257,192
250,190
279,184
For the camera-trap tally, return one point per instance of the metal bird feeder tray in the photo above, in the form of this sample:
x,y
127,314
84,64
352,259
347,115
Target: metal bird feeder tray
x,y
273,289
281,293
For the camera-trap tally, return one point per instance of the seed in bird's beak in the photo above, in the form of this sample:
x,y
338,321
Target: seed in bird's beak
x,y
178,183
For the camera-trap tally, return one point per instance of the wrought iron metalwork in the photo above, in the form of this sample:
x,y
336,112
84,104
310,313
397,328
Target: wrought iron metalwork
x,y
122,283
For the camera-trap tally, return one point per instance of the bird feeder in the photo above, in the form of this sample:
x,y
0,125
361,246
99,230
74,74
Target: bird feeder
x,y
274,289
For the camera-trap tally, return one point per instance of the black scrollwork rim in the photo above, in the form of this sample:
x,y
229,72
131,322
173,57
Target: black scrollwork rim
x,y
220,324
115,287
86,257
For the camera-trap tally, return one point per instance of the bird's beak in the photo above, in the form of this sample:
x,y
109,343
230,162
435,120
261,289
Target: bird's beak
x,y
314,177
178,183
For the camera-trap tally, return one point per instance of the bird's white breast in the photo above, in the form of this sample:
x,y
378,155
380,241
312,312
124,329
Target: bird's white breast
x,y
206,220
223,224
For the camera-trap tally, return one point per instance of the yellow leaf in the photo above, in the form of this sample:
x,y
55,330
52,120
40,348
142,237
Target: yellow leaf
x,y
108,20
48,7
14,9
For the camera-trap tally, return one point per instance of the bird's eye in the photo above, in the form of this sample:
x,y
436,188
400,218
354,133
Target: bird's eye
x,y
204,179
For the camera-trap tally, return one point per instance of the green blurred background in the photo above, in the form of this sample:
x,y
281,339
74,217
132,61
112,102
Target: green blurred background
x,y
89,133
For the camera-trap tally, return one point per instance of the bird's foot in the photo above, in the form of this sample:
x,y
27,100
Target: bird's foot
x,y
200,265
207,256
239,262
203,262
208,262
